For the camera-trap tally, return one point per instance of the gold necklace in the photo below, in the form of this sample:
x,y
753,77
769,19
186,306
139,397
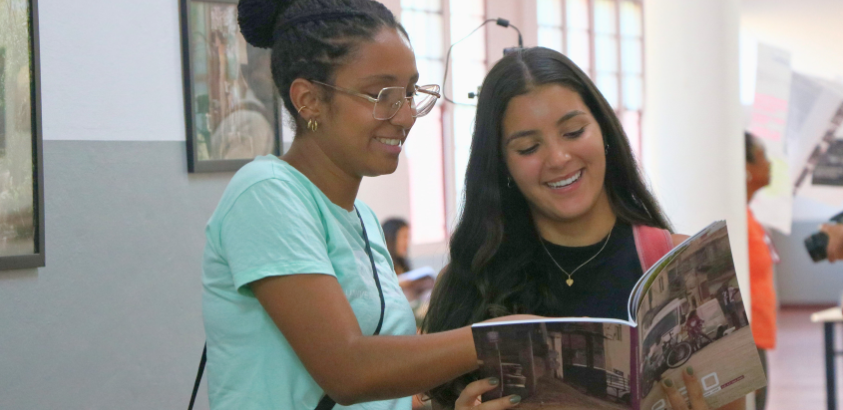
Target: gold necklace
x,y
570,281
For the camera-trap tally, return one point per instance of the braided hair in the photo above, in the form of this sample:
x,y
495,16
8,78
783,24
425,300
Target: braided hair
x,y
310,39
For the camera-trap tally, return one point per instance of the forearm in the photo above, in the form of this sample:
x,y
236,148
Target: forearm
x,y
313,314
382,367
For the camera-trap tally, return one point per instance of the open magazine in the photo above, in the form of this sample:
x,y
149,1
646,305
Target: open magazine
x,y
686,310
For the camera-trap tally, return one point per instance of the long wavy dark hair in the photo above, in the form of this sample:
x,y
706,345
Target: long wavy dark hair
x,y
492,249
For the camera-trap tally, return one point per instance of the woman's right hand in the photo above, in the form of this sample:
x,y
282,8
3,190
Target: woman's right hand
x,y
470,397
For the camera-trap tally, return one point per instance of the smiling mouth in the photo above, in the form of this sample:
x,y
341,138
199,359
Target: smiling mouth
x,y
391,141
565,182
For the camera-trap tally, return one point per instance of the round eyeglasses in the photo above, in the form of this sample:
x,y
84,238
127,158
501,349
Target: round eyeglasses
x,y
391,99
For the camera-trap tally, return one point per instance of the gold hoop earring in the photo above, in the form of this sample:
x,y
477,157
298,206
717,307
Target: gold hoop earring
x,y
302,107
312,125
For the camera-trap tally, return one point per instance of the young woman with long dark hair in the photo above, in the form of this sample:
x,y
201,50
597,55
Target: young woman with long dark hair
x,y
554,209
297,278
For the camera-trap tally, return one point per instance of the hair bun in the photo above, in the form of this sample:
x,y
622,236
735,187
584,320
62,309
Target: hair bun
x,y
257,20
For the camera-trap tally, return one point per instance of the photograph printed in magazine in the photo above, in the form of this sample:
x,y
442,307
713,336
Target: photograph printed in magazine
x,y
685,311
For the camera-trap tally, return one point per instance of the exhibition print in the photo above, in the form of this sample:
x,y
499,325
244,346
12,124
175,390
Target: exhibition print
x,y
21,181
232,107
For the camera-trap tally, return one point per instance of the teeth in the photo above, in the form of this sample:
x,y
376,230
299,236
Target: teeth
x,y
565,182
389,141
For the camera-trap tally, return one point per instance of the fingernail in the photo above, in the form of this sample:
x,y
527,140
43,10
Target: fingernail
x,y
494,381
689,370
667,383
515,399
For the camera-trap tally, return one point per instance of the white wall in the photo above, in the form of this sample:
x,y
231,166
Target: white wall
x,y
812,30
693,140
111,70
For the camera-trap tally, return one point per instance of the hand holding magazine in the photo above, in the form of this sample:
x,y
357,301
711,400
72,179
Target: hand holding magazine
x,y
685,311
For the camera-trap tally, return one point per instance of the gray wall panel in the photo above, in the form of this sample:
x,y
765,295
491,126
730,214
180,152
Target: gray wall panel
x,y
801,281
114,319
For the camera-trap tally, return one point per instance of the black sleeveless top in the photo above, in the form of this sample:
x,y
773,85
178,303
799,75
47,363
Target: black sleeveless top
x,y
601,287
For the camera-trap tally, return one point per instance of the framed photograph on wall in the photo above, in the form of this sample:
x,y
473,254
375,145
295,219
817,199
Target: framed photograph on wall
x,y
232,109
21,165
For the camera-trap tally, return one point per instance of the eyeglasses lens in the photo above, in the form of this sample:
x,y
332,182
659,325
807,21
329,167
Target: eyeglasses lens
x,y
391,99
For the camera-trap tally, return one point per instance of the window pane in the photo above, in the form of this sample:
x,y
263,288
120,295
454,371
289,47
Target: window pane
x,y
633,92
468,8
427,178
467,77
605,18
632,56
579,49
606,53
473,47
430,71
550,37
631,121
425,31
463,128
549,13
424,23
469,69
576,14
608,86
630,19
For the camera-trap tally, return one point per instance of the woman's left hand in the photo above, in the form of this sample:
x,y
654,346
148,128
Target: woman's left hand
x,y
695,394
470,397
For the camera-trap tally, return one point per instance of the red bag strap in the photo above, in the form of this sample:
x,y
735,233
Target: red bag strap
x,y
651,244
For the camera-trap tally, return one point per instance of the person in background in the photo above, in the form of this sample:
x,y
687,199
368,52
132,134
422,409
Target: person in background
x,y
416,284
396,232
761,287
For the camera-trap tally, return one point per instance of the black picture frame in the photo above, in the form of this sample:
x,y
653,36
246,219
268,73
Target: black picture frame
x,y
36,233
212,117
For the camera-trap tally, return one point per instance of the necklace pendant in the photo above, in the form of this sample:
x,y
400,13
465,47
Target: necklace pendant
x,y
569,282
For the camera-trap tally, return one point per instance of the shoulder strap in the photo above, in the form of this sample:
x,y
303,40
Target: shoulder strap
x,y
198,376
327,403
651,244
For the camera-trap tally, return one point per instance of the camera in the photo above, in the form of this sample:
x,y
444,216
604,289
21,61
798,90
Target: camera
x,y
817,242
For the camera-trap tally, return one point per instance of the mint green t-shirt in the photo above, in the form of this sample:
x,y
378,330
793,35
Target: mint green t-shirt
x,y
272,221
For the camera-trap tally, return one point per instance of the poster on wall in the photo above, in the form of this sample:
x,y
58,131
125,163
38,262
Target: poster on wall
x,y
232,108
21,167
773,205
829,169
813,131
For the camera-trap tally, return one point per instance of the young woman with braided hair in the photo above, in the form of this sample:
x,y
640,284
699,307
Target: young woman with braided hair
x,y
301,305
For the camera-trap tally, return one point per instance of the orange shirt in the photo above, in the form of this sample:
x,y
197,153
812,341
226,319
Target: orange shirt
x,y
761,286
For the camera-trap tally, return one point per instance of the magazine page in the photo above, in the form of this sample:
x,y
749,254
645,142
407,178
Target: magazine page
x,y
691,314
571,364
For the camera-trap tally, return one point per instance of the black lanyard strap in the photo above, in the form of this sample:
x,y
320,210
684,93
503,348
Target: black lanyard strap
x,y
374,272
328,403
